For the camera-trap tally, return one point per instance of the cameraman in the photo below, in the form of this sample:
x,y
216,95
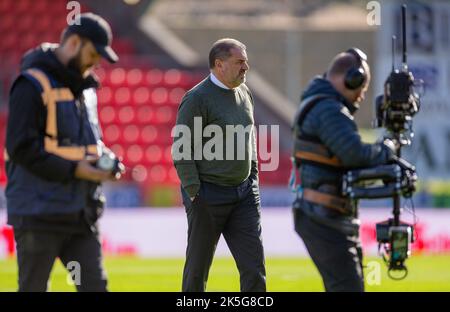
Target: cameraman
x,y
326,144
54,195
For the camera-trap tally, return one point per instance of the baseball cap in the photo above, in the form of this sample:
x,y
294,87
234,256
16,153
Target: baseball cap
x,y
97,30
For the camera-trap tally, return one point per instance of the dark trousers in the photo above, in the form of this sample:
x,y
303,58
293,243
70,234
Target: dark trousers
x,y
37,251
235,213
337,256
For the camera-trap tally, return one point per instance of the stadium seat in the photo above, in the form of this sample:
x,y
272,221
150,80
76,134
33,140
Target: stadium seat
x,y
26,24
157,174
153,154
105,95
111,134
175,96
145,115
5,7
107,115
131,133
141,96
154,77
134,154
117,76
149,134
134,77
159,96
139,173
6,23
126,115
172,77
164,115
122,96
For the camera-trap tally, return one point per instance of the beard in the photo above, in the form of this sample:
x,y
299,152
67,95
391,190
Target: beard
x,y
75,64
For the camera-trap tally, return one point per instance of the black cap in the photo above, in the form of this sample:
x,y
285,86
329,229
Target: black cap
x,y
98,31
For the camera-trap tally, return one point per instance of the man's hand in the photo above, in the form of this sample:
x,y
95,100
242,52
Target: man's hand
x,y
86,171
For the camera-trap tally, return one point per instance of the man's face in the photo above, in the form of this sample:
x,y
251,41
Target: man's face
x,y
86,58
234,68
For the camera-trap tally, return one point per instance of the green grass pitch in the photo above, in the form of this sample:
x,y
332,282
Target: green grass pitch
x,y
427,273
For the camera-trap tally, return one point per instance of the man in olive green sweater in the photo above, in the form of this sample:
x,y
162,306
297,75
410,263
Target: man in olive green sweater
x,y
214,152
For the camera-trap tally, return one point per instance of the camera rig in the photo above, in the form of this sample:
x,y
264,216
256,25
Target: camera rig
x,y
394,111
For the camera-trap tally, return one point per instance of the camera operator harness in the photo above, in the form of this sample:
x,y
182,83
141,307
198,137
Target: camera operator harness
x,y
309,149
394,111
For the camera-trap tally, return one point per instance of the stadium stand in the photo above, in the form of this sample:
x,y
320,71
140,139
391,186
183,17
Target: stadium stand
x,y
138,99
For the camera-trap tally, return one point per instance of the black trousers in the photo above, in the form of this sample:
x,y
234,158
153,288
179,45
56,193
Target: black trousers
x,y
235,213
37,250
337,256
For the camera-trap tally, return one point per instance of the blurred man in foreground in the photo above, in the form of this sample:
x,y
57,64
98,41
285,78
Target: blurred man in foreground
x,y
53,143
326,144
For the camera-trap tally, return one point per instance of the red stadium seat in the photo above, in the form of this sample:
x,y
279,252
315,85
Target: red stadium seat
x,y
134,154
131,133
112,134
117,76
149,134
153,154
145,114
134,77
126,115
40,8
6,23
141,96
157,174
107,115
175,96
26,24
105,95
22,6
172,77
122,96
6,6
164,115
154,77
159,96
139,173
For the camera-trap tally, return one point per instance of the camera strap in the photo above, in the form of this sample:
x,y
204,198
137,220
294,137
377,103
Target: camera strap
x,y
308,148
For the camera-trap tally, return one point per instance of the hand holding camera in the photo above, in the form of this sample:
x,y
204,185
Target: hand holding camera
x,y
100,169
109,162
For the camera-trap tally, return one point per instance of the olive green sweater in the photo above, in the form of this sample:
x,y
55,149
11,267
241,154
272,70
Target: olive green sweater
x,y
201,159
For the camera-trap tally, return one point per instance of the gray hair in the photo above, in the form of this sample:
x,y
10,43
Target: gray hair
x,y
221,49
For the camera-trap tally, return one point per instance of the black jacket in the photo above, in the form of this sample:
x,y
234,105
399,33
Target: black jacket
x,y
57,199
330,121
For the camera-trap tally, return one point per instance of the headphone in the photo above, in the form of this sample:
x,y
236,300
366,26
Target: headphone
x,y
356,76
